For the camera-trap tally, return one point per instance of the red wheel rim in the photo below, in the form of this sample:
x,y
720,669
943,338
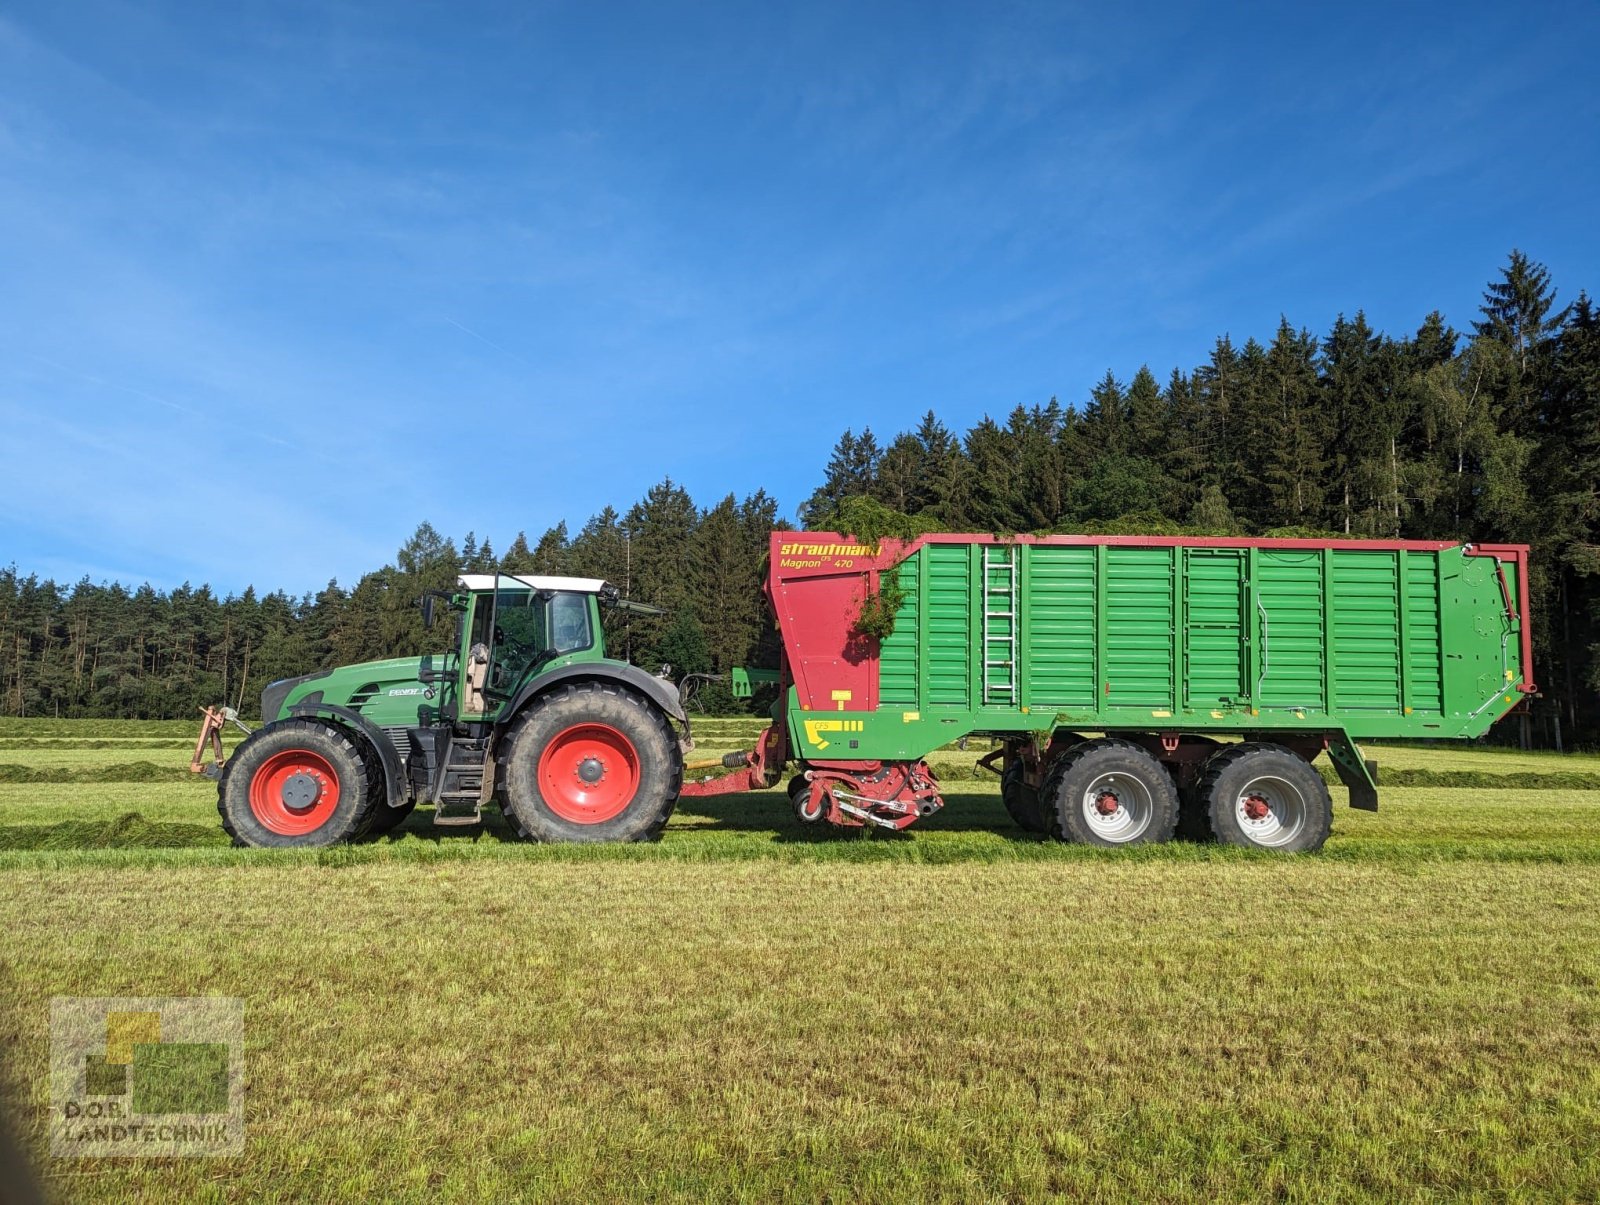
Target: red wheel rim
x,y
589,773
294,792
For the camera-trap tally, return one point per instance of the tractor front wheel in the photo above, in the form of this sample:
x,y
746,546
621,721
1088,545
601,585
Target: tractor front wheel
x,y
299,782
591,762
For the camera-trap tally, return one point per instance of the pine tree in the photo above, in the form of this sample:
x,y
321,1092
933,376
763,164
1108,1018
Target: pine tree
x,y
1105,418
1183,457
851,471
551,555
518,557
1519,314
1295,433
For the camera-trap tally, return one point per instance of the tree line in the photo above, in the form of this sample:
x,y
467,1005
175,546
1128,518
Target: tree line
x,y
1490,433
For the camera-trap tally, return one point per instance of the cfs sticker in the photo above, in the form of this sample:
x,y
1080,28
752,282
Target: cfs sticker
x,y
815,729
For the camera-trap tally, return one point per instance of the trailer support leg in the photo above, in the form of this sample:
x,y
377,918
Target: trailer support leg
x,y
1355,771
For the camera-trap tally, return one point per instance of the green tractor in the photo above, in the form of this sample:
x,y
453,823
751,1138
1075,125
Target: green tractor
x,y
525,709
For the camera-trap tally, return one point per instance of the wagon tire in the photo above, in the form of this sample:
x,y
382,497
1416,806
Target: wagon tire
x,y
1022,802
1263,796
591,762
295,783
1110,793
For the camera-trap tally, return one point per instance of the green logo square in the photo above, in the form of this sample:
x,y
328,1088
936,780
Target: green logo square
x,y
180,1077
102,1078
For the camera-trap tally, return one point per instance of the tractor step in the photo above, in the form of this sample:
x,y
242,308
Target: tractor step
x,y
442,815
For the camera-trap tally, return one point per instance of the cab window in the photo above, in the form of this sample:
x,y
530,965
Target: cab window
x,y
569,623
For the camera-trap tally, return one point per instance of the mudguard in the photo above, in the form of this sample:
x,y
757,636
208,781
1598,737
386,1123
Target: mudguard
x,y
396,784
658,690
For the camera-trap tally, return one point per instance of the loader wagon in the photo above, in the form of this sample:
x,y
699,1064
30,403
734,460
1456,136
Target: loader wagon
x,y
1134,682
1130,687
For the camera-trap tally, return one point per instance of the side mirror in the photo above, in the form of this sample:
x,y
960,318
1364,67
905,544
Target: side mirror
x,y
427,611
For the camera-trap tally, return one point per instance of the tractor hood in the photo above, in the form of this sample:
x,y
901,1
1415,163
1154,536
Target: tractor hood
x,y
389,693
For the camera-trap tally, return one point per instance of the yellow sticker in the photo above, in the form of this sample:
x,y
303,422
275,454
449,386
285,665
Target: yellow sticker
x,y
124,1031
842,696
910,717
1162,715
815,729
1217,715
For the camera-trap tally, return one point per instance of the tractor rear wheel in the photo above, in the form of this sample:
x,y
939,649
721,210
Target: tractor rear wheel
x,y
1266,797
295,783
1022,801
591,762
1110,792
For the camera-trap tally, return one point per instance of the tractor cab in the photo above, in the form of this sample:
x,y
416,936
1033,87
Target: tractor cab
x,y
513,627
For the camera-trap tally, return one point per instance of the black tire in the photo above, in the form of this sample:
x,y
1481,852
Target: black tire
x,y
800,799
295,783
386,819
1194,816
637,754
1022,801
1298,811
1144,801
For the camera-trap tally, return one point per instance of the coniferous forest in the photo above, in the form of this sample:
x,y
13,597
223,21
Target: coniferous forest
x,y
1490,432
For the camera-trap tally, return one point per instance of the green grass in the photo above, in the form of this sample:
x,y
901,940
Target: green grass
x,y
749,1010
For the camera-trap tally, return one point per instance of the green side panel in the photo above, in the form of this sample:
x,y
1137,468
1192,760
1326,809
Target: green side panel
x,y
1366,629
897,655
1290,623
949,624
1424,657
1213,615
1139,627
1058,644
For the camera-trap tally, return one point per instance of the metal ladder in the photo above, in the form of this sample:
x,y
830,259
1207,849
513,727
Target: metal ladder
x,y
999,624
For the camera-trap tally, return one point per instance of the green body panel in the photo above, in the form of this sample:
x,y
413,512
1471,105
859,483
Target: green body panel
x,y
389,693
1011,638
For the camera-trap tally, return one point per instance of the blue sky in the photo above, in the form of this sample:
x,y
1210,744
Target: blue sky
x,y
283,280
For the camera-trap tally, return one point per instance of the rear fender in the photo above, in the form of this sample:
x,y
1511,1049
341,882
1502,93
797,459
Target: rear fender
x,y
658,690
396,786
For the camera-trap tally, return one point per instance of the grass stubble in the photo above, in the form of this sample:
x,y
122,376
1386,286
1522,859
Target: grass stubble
x,y
751,1010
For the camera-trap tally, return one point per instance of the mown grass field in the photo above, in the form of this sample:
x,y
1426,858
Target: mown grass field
x,y
752,1010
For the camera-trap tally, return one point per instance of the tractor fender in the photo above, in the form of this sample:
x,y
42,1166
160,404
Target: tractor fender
x,y
659,691
396,784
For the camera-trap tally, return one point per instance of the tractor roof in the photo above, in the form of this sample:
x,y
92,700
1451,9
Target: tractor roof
x,y
486,581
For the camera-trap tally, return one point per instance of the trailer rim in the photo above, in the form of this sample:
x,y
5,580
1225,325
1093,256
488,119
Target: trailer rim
x,y
1271,810
295,792
589,773
1118,807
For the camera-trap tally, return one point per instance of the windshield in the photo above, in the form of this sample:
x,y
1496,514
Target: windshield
x,y
529,627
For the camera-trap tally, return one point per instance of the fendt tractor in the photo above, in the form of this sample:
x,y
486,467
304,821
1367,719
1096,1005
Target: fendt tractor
x,y
1126,685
